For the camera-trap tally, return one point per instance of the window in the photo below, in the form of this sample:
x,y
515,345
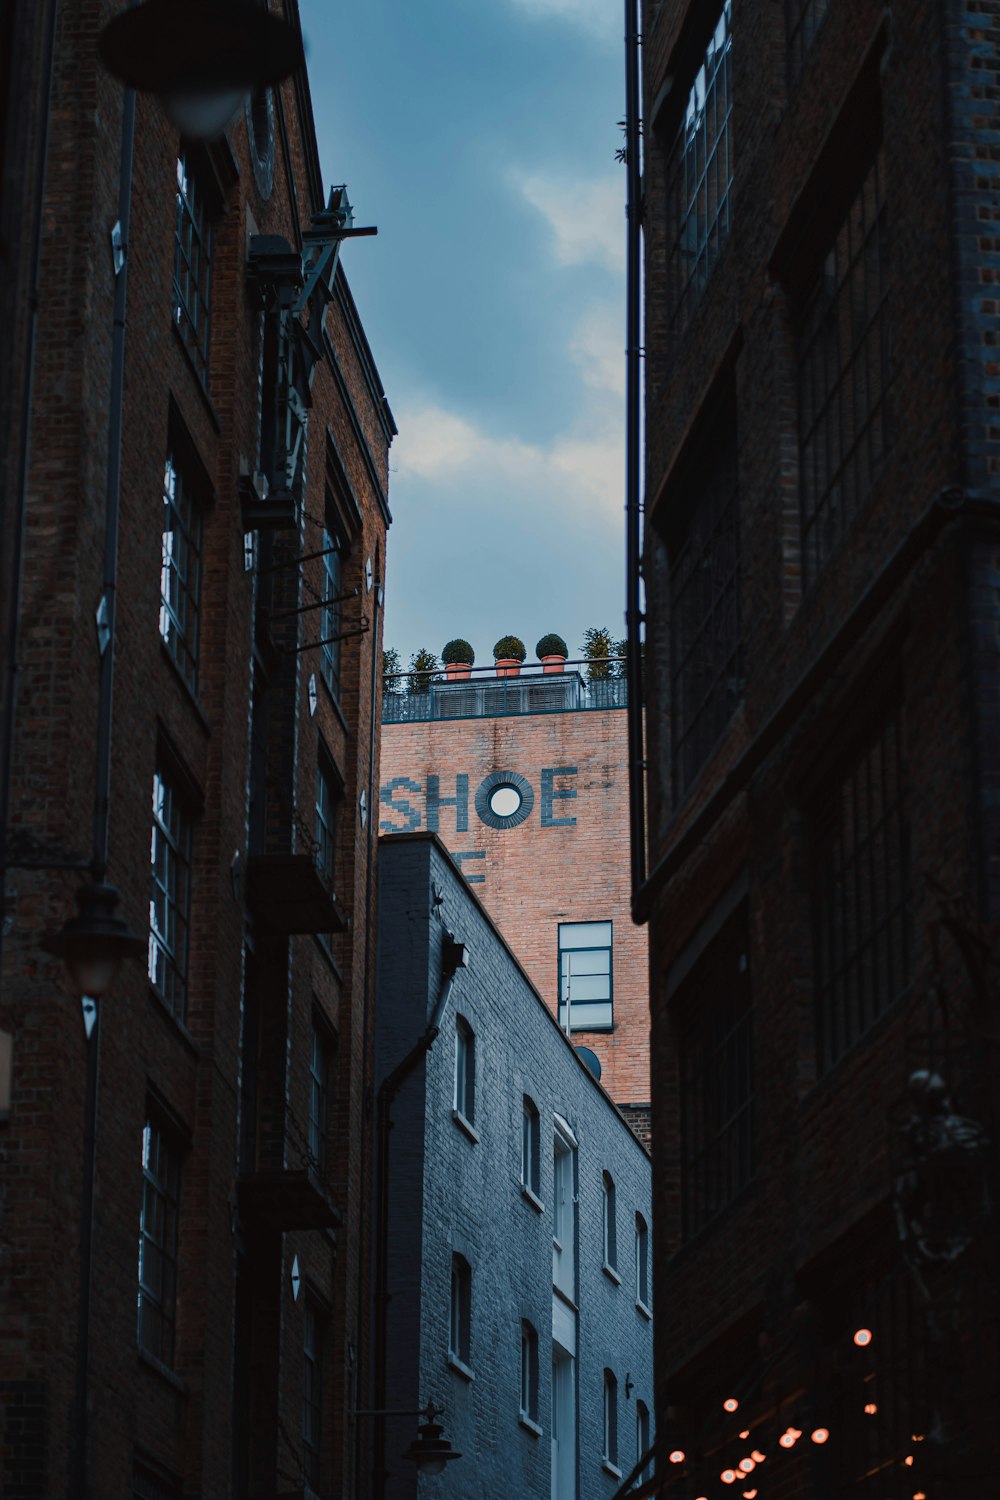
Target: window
x,y
715,1040
460,1335
610,1451
326,820
465,1070
706,648
329,628
320,1058
843,354
530,1164
860,876
312,1392
641,1261
700,176
564,1428
529,1372
192,264
180,570
161,1174
642,1441
169,903
804,19
585,976
610,1222
564,1210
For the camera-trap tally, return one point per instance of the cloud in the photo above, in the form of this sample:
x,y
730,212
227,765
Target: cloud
x,y
586,217
598,347
602,18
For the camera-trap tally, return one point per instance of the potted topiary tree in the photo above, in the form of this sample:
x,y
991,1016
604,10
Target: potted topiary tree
x,y
552,652
508,654
459,659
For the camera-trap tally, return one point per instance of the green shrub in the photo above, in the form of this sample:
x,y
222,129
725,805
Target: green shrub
x,y
423,666
551,645
509,648
392,666
458,651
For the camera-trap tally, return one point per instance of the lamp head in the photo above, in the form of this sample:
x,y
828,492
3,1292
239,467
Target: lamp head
x,y
429,1450
93,944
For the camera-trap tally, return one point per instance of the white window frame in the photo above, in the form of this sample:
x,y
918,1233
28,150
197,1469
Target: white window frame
x,y
531,1132
529,1374
609,1452
464,1100
581,947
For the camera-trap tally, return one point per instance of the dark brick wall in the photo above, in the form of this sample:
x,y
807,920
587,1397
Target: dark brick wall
x,y
449,1193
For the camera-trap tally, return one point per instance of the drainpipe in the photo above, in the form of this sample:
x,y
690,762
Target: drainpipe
x,y
633,511
454,957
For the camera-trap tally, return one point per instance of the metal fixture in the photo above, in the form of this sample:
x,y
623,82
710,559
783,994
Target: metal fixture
x,y
429,1450
454,955
93,944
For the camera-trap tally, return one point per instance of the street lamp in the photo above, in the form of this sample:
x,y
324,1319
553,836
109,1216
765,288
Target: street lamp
x,y
429,1450
93,944
201,57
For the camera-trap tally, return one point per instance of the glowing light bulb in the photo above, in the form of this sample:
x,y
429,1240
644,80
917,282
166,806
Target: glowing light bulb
x,y
819,1435
863,1337
749,1494
677,1457
745,1433
728,1476
908,1460
790,1437
870,1409
920,1495
757,1456
730,1403
916,1437
747,1465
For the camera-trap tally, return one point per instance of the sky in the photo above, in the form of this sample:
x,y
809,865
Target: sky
x,y
480,136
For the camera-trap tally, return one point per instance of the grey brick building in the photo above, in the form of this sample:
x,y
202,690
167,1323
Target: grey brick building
x,y
513,1288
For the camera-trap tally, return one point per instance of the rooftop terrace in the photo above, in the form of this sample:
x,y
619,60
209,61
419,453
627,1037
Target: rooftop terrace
x,y
485,694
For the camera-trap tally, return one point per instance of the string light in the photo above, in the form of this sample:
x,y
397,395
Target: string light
x,y
677,1457
749,1494
790,1437
757,1456
730,1403
870,1409
920,1495
908,1460
728,1476
745,1433
863,1337
747,1465
820,1435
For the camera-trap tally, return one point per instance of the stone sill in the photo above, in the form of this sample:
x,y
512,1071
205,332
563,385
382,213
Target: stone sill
x,y
466,1126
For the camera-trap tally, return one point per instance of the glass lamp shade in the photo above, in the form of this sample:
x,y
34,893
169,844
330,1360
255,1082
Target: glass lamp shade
x,y
203,116
203,49
93,944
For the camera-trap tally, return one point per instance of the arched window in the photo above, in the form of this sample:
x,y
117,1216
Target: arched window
x,y
641,1262
530,1163
610,1419
529,1371
465,1070
460,1336
610,1222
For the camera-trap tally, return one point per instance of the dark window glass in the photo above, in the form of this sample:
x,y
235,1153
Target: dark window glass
x,y
192,264
326,800
319,1079
465,1070
530,1153
312,1393
158,1242
641,1260
610,1418
169,902
700,176
706,650
803,18
843,374
715,1041
610,1216
180,571
330,613
860,864
529,1372
460,1328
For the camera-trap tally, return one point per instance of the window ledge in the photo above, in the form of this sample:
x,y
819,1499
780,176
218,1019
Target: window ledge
x,y
164,1371
161,1001
611,1274
466,1126
641,1307
565,1297
335,703
529,1425
532,1198
610,1468
460,1367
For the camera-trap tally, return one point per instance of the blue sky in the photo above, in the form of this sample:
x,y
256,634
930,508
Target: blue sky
x,y
480,136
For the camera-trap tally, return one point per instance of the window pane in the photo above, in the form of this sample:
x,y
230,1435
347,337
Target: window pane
x,y
157,1269
585,935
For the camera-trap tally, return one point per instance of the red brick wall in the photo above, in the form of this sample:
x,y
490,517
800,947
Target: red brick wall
x,y
532,877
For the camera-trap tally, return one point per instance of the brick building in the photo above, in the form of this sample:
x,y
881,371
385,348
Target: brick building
x,y
551,863
821,561
206,452
517,1201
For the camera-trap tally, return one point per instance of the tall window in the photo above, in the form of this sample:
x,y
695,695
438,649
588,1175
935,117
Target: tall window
x,y
326,825
564,1210
610,1419
804,19
585,976
564,1428
530,1152
700,175
330,613
192,264
844,369
529,1371
319,1081
609,1214
180,570
169,902
706,647
860,864
312,1393
641,1261
465,1070
460,1334
642,1441
715,1038
161,1175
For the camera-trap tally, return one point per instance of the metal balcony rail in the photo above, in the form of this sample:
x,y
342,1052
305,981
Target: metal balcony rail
x,y
485,693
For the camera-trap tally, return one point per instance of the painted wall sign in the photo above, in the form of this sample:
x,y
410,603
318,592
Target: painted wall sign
x,y
502,801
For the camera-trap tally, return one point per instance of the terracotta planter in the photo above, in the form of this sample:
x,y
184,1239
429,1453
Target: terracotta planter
x,y
552,663
458,670
507,666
